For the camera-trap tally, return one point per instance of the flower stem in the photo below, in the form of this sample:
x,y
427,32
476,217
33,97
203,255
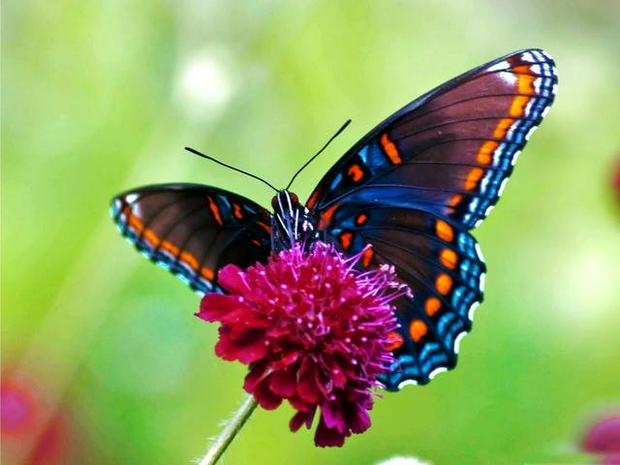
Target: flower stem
x,y
232,427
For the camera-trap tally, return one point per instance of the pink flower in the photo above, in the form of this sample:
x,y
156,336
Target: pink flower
x,y
313,330
29,436
613,459
603,437
617,178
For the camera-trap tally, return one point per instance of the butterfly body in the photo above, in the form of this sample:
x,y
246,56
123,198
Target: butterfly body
x,y
291,222
407,194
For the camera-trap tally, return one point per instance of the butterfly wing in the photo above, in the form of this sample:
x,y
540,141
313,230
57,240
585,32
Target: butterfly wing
x,y
417,183
440,263
193,230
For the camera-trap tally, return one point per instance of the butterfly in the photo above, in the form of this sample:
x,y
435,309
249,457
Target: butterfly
x,y
407,194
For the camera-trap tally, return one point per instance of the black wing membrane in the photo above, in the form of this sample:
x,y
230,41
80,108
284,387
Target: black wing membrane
x,y
193,230
415,185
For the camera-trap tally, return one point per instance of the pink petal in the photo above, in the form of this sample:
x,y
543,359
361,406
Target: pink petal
x,y
326,437
265,398
214,306
307,389
247,347
300,405
290,358
603,436
283,383
333,416
358,420
258,372
613,459
300,418
230,277
338,376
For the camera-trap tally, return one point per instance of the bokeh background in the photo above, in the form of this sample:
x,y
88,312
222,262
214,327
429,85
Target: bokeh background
x,y
102,359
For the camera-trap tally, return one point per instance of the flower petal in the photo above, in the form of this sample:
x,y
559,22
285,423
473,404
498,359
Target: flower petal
x,y
265,397
327,437
300,418
214,306
283,383
246,347
231,277
333,416
603,436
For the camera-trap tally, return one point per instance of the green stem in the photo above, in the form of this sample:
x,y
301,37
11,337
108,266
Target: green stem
x,y
231,429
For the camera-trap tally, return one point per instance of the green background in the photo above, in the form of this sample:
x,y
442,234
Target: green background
x,y
98,97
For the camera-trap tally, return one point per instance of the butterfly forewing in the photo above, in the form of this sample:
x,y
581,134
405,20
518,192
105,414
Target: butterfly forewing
x,y
415,185
450,151
193,230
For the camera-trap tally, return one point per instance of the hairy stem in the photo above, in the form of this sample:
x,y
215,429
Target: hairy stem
x,y
231,429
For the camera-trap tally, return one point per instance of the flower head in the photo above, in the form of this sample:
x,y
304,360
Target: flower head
x,y
603,436
313,330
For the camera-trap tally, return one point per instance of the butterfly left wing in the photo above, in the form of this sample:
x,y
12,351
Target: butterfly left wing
x,y
193,230
415,185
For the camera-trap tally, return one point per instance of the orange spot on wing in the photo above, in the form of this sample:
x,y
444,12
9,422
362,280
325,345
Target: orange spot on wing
x,y
265,226
189,259
525,87
390,150
169,247
455,200
326,216
312,200
395,340
443,283
432,306
151,237
345,240
502,126
444,231
473,177
517,108
361,219
485,154
417,330
256,242
447,257
237,212
132,220
207,273
215,210
367,256
355,172
525,80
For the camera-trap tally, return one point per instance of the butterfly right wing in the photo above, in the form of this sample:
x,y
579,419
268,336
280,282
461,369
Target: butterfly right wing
x,y
193,230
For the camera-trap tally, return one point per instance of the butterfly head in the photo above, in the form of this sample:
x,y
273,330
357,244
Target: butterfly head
x,y
290,221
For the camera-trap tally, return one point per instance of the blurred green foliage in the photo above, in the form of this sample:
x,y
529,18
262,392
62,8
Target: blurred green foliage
x,y
103,96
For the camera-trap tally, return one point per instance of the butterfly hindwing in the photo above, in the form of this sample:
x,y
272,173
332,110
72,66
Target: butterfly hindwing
x,y
441,264
193,230
415,185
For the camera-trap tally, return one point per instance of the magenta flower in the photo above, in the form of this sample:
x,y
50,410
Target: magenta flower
x,y
617,178
603,437
313,330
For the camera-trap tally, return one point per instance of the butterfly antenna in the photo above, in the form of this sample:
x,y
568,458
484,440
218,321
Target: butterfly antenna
x,y
344,126
238,170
